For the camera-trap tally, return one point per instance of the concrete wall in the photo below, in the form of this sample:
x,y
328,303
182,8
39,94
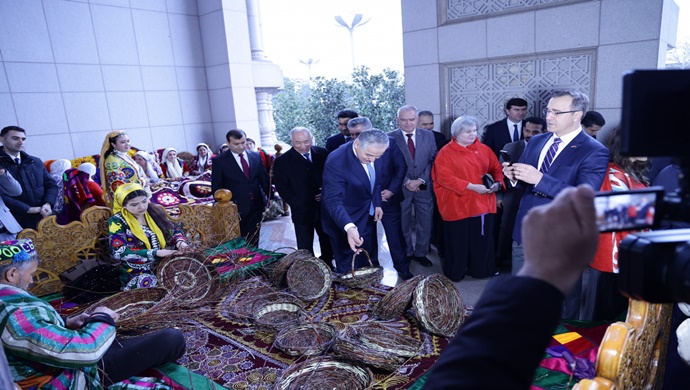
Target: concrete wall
x,y
169,72
516,51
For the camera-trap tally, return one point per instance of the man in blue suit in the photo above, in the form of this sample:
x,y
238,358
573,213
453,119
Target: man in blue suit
x,y
242,172
565,156
390,173
351,199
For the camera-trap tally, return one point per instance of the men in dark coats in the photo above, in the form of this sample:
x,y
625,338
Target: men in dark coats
x,y
39,190
333,142
351,199
243,173
297,175
484,354
506,130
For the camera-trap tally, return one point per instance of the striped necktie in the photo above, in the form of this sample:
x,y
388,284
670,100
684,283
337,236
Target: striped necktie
x,y
550,155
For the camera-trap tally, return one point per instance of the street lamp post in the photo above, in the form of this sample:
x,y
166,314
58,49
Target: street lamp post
x,y
356,22
309,63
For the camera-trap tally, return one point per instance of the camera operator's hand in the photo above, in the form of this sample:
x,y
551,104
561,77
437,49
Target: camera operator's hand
x,y
563,238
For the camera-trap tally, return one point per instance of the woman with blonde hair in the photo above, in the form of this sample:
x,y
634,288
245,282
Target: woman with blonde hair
x,y
117,166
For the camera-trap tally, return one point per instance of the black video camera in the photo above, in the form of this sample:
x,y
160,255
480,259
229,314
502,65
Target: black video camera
x,y
655,266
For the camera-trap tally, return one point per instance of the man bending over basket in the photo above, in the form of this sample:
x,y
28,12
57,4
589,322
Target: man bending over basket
x,y
45,351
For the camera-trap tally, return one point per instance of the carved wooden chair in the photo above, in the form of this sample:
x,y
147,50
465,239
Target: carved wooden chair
x,y
62,247
632,354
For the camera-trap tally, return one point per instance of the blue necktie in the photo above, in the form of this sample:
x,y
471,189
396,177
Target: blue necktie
x,y
372,180
306,155
550,155
516,135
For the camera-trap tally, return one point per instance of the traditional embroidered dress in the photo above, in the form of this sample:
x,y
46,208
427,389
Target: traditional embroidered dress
x,y
41,351
120,169
136,245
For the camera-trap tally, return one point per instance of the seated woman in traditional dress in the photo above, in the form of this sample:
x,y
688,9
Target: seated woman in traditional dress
x,y
80,192
173,167
140,234
57,169
151,168
117,167
202,161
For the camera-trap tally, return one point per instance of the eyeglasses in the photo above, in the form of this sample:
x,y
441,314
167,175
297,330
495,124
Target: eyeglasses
x,y
546,112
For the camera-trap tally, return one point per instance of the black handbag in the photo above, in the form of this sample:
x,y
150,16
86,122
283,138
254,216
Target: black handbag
x,y
487,180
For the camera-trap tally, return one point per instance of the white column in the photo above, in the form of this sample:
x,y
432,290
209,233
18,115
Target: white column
x,y
267,126
254,20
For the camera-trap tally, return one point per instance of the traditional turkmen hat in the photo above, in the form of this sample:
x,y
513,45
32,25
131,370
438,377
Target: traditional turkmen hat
x,y
16,251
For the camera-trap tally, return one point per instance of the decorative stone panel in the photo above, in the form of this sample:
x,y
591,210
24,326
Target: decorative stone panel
x,y
460,9
481,90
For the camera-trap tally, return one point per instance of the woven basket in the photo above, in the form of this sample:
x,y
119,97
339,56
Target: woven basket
x,y
361,277
277,271
438,305
390,341
130,304
325,373
242,307
352,348
187,278
397,300
309,279
273,316
305,339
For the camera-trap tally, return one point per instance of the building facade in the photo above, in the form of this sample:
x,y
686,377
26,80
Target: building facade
x,y
465,57
172,73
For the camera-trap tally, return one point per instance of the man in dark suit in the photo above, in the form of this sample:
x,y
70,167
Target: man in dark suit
x,y
333,142
38,189
419,149
565,156
481,356
390,173
506,130
510,199
351,199
242,172
426,122
592,122
298,177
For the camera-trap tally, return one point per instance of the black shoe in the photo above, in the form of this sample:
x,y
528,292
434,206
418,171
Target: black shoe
x,y
423,261
407,275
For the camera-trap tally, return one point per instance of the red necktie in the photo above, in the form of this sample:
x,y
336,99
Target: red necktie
x,y
410,145
245,166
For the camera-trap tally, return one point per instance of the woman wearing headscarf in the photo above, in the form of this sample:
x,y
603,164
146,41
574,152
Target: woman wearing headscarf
x,y
202,161
467,206
173,167
117,166
80,192
145,160
140,234
57,168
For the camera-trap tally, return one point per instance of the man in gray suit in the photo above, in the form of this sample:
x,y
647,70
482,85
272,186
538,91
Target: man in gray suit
x,y
9,227
418,146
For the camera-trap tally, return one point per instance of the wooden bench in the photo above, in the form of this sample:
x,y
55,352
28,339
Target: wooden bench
x,y
62,247
632,354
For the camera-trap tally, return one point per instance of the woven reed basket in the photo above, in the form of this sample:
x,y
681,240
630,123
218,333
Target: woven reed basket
x,y
397,300
277,272
130,304
309,279
305,339
273,316
322,373
187,278
438,305
361,277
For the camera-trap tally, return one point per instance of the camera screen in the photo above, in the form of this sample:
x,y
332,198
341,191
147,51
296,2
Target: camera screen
x,y
625,210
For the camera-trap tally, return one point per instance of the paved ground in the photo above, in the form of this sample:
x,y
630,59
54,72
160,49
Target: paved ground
x,y
279,233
